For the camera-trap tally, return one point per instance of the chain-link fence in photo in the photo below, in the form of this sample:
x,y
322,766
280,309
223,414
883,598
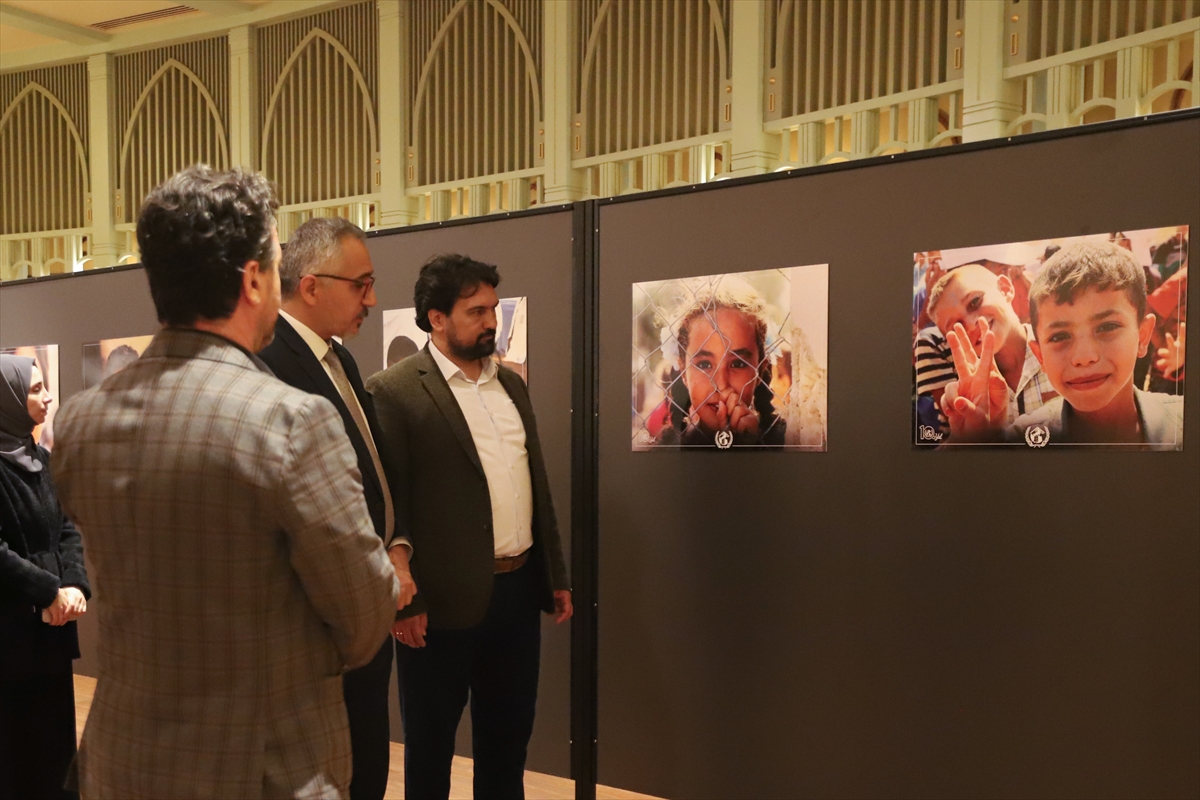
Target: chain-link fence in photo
x,y
732,361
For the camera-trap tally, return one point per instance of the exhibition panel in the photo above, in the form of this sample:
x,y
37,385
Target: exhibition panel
x,y
73,312
98,321
875,619
534,254
818,547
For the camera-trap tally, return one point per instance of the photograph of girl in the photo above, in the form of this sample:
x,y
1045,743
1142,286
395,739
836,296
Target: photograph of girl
x,y
731,361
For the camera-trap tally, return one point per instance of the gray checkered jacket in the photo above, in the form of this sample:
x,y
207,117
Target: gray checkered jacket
x,y
237,575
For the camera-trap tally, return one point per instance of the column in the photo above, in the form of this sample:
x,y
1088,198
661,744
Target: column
x,y
610,179
105,246
654,172
561,184
864,133
1062,95
395,206
922,122
811,143
754,151
479,199
243,98
518,194
990,103
1134,70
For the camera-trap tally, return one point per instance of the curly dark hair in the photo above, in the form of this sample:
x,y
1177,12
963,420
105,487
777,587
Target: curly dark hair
x,y
446,278
1086,265
196,231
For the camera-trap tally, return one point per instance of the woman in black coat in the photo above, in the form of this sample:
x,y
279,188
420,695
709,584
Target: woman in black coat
x,y
43,589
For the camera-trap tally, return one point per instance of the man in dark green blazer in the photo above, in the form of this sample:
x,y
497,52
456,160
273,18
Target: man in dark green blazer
x,y
469,476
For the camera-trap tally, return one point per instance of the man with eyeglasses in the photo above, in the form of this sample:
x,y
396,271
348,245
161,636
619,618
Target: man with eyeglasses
x,y
328,288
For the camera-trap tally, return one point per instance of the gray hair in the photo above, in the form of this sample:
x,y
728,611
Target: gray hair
x,y
314,243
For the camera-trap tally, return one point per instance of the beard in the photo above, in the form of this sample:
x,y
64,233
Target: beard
x,y
483,346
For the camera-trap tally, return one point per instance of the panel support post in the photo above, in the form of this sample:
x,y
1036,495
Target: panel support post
x,y
585,499
243,98
105,247
395,206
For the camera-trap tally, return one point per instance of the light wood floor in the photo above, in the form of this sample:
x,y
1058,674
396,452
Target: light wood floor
x,y
537,785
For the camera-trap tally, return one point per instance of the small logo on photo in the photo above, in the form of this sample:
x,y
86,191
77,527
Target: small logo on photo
x,y
724,440
926,433
1037,436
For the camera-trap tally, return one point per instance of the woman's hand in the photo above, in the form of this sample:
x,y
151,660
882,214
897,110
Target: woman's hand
x,y
68,605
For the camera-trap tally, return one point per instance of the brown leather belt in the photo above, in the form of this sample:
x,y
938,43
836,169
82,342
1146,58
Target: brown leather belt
x,y
511,563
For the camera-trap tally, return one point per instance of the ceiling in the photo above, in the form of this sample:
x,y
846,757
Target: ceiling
x,y
27,25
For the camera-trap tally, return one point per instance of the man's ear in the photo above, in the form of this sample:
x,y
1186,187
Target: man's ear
x,y
1036,347
1145,331
253,282
306,290
437,320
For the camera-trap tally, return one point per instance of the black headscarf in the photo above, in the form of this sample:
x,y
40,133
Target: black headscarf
x,y
16,426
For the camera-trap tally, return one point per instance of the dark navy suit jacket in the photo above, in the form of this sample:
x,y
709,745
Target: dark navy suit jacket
x,y
293,362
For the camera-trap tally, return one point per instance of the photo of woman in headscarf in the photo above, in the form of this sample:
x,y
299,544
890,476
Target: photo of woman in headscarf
x,y
45,357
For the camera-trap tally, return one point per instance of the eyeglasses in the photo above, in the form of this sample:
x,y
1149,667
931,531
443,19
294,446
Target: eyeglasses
x,y
363,284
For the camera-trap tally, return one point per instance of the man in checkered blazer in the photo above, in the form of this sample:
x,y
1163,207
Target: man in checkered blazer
x,y
237,570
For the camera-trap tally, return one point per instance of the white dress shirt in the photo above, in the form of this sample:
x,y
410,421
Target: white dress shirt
x,y
499,436
319,348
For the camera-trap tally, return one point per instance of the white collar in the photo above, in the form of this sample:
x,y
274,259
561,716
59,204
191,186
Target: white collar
x,y
449,369
318,345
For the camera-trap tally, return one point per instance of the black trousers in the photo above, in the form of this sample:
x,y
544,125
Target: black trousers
x,y
496,664
37,737
366,692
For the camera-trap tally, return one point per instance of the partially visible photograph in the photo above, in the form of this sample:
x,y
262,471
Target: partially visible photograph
x,y
402,338
732,361
46,357
109,356
1074,341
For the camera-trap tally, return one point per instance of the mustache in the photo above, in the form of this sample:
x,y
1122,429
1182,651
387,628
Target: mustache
x,y
366,312
489,333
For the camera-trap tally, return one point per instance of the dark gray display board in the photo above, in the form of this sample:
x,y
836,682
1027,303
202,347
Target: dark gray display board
x,y
876,621
69,312
534,255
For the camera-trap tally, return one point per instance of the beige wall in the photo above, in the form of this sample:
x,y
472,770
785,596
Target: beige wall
x,y
391,113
